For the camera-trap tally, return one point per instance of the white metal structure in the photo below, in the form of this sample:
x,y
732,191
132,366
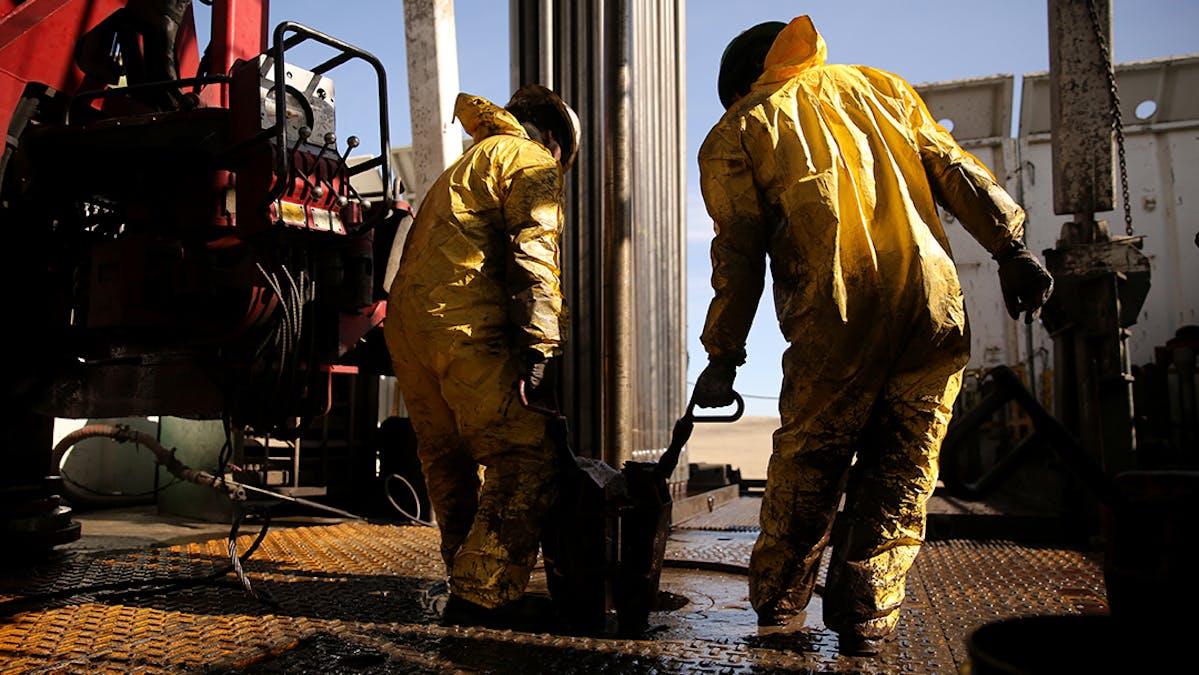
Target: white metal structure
x,y
1161,116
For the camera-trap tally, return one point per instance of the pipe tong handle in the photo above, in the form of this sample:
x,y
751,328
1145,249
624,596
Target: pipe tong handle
x,y
732,417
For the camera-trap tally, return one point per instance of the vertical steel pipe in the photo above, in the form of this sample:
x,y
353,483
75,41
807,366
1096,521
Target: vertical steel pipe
x,y
432,48
618,250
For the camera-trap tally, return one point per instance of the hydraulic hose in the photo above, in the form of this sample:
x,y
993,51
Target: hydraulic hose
x,y
165,457
233,490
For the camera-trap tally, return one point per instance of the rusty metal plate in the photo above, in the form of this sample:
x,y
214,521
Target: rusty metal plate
x,y
354,597
970,583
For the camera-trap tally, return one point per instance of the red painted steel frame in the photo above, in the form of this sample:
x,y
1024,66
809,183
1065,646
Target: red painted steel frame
x,y
37,44
239,32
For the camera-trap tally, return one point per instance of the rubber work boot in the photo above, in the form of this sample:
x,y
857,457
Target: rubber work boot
x,y
777,616
529,614
852,644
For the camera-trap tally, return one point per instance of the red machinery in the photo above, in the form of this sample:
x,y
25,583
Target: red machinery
x,y
190,246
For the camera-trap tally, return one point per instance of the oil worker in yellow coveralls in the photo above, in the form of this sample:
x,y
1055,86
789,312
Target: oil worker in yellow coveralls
x,y
477,306
834,172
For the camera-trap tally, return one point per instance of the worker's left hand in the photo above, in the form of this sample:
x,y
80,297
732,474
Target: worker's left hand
x,y
1025,282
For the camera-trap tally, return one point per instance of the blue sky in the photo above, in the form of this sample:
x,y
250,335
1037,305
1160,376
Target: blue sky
x,y
921,40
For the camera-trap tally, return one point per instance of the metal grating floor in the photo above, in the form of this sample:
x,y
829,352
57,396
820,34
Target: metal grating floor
x,y
352,598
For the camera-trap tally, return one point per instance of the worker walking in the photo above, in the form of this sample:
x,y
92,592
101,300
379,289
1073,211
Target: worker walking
x,y
834,172
476,307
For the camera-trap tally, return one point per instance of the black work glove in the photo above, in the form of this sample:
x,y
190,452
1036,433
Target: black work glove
x,y
714,388
1025,282
538,375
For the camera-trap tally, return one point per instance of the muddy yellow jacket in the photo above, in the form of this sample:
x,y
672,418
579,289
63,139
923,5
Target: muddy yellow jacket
x,y
481,262
833,171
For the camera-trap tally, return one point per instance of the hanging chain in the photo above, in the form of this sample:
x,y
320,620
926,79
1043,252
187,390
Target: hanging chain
x,y
1117,117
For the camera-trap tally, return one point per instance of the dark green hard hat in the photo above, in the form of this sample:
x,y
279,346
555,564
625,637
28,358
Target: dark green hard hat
x,y
742,61
544,108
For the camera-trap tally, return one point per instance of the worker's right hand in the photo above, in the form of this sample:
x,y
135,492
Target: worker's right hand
x,y
537,375
714,388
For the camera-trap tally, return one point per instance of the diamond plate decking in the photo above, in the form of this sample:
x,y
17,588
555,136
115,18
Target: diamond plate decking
x,y
353,597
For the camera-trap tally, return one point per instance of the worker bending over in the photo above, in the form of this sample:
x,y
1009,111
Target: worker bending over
x,y
475,307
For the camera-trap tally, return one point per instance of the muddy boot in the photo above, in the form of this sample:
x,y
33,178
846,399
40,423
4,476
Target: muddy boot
x,y
530,614
852,644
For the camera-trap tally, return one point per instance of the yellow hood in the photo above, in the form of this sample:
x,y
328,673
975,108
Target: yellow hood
x,y
797,48
482,118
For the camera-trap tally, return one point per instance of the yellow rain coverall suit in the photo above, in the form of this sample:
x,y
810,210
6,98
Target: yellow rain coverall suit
x,y
479,285
833,171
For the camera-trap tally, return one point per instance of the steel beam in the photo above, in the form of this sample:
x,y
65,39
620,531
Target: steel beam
x,y
1081,104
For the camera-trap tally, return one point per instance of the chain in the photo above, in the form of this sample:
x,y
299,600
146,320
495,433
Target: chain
x,y
1117,117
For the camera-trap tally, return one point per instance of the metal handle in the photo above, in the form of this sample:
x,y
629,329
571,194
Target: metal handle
x,y
558,431
524,400
682,433
733,417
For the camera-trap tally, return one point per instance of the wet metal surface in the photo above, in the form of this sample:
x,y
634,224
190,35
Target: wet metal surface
x,y
355,598
739,515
